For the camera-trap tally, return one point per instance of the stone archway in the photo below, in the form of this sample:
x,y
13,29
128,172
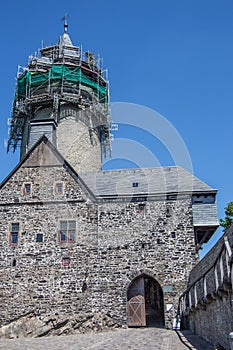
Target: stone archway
x,y
145,306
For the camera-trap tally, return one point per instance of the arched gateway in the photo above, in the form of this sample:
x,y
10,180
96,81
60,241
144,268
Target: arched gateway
x,y
145,306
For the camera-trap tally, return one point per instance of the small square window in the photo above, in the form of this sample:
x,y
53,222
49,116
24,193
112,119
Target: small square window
x,y
135,184
59,188
173,234
39,237
66,262
141,207
27,188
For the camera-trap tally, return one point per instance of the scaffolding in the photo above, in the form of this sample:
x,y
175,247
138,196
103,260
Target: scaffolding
x,y
59,74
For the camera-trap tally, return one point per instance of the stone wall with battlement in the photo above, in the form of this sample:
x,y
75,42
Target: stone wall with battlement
x,y
206,306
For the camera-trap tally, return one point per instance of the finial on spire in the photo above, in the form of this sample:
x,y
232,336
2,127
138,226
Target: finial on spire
x,y
64,19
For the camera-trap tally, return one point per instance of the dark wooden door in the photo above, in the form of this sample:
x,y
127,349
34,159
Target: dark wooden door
x,y
136,310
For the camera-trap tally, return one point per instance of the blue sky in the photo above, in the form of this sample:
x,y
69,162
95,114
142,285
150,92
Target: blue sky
x,y
174,57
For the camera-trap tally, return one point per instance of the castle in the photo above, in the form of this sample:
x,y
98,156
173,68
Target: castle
x,y
77,242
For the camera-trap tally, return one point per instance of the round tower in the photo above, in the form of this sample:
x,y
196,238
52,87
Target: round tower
x,y
63,94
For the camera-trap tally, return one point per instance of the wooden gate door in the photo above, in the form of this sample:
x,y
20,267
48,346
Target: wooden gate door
x,y
136,310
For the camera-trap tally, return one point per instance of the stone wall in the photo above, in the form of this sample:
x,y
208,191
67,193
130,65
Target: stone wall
x,y
32,275
115,242
135,242
206,306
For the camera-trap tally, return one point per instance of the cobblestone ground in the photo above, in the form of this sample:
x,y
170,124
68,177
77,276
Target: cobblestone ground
x,y
120,339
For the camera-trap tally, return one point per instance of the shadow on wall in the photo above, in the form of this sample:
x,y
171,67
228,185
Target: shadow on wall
x,y
192,341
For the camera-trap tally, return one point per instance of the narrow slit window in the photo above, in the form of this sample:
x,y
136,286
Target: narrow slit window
x,y
71,231
14,235
63,231
173,235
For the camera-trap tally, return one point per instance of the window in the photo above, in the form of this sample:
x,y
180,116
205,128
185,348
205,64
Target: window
x,y
66,262
14,235
141,207
59,188
135,184
67,231
27,188
39,237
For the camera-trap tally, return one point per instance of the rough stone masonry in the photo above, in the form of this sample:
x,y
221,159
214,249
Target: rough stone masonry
x,y
60,282
83,248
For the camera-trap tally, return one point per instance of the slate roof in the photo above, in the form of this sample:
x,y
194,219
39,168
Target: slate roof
x,y
205,215
151,181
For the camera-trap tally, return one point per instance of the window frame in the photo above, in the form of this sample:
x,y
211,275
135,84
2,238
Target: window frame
x,y
64,262
41,235
56,191
173,234
25,192
12,233
67,232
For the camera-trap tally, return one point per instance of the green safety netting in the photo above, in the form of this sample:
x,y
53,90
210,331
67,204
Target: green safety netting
x,y
56,73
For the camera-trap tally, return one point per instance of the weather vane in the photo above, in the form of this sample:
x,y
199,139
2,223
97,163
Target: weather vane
x,y
64,19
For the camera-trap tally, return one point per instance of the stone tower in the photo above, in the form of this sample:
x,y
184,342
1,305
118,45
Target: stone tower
x,y
63,94
112,247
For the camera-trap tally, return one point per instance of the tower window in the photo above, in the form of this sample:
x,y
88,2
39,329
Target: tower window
x,y
27,188
59,188
135,184
39,237
66,262
14,235
67,232
173,234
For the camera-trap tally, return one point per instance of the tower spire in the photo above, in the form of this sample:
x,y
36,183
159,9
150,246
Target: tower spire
x,y
65,20
80,101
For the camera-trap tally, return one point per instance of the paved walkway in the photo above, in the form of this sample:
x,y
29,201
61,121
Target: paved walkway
x,y
119,339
